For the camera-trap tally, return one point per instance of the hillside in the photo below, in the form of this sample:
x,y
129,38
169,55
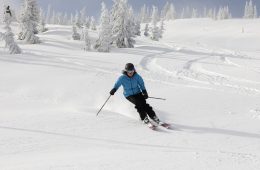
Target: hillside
x,y
209,72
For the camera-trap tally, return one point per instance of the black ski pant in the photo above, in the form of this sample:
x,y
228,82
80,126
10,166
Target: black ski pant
x,y
141,106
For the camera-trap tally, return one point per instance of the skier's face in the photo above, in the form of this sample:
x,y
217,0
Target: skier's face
x,y
130,73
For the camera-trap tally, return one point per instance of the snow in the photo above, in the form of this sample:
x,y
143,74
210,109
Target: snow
x,y
207,70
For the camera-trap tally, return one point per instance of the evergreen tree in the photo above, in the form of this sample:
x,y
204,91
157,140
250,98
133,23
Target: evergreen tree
x,y
146,30
83,16
143,15
155,29
255,12
48,16
194,13
121,28
8,36
86,39
29,22
42,27
249,10
75,34
137,27
103,43
161,28
93,23
171,13
165,10
77,20
53,18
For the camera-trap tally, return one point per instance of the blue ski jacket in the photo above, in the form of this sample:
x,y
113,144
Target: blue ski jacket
x,y
132,85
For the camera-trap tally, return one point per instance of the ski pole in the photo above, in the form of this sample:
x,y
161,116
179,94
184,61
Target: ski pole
x,y
103,105
156,98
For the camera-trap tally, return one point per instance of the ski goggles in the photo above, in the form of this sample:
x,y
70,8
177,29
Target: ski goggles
x,y
130,71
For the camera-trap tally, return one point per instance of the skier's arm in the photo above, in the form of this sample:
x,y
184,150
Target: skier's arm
x,y
116,86
142,86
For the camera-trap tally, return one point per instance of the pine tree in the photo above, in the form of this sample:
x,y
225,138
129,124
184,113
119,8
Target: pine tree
x,y
194,13
93,23
53,18
171,13
83,16
143,14
103,43
121,28
137,27
42,27
161,28
255,12
29,22
165,10
77,20
249,10
48,16
75,34
146,30
8,36
155,30
86,39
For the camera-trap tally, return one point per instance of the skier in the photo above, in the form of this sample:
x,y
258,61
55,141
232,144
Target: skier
x,y
135,92
8,11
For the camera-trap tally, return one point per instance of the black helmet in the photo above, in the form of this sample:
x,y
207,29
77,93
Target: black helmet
x,y
129,67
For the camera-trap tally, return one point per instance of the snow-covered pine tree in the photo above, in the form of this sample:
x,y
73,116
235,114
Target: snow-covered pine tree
x,y
53,18
194,13
93,24
8,36
65,19
121,28
41,26
146,30
71,19
83,16
171,13
137,27
224,13
255,12
86,39
75,34
132,22
87,22
32,11
29,22
161,28
77,20
155,29
249,10
48,15
142,14
103,43
165,9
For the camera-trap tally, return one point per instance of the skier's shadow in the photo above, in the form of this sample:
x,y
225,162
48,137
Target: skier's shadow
x,y
200,129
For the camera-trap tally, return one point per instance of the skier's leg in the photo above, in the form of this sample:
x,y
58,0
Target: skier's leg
x,y
149,111
135,99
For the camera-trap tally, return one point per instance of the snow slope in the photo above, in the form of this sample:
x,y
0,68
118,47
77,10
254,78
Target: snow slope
x,y
209,72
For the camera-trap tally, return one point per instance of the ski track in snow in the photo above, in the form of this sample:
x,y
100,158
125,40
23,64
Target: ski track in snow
x,y
192,69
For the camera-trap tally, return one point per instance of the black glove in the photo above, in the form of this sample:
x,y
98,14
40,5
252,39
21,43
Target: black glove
x,y
145,94
112,92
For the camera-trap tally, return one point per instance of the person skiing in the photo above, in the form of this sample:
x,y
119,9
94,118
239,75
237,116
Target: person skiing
x,y
8,11
135,92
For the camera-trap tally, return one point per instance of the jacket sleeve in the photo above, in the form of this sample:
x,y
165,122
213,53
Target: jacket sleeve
x,y
118,83
141,83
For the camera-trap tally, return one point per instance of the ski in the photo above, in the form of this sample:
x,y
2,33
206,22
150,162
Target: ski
x,y
151,126
165,125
